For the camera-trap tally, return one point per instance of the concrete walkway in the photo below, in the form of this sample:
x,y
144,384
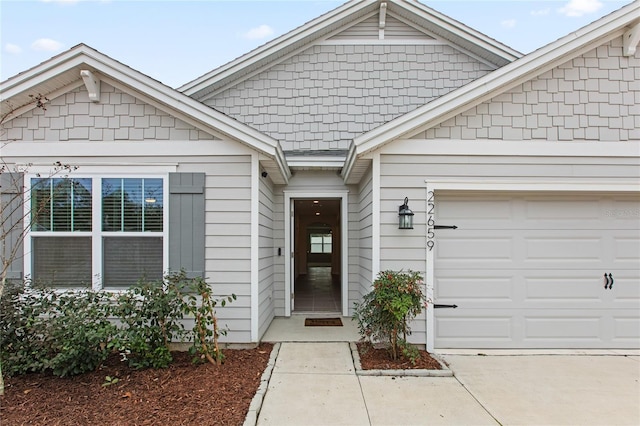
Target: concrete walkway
x,y
316,384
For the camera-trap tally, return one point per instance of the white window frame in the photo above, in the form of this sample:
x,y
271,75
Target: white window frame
x,y
96,232
322,243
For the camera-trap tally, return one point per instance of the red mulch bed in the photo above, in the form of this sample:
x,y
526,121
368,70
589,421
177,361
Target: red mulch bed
x,y
184,393
373,358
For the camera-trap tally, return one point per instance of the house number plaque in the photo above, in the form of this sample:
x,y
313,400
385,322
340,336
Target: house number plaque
x,y
431,207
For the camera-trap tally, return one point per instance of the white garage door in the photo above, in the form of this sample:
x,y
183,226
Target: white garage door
x,y
527,270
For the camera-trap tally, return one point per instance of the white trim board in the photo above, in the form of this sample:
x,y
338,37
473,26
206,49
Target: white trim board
x,y
289,196
512,148
510,185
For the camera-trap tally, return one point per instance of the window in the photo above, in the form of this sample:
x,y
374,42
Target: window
x,y
61,230
320,243
97,232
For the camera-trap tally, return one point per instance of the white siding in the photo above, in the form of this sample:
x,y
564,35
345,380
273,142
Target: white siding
x,y
227,183
228,236
405,175
266,305
364,30
369,30
365,228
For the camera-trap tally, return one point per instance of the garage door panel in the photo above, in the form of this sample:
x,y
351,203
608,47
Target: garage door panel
x,y
484,212
557,212
475,328
626,290
626,329
526,249
626,250
532,274
550,290
473,290
523,287
572,326
475,249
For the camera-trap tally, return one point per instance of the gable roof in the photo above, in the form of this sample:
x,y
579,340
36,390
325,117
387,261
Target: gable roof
x,y
625,21
336,20
62,73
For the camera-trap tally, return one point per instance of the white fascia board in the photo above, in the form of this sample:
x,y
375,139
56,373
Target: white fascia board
x,y
349,162
627,149
278,44
316,162
500,80
32,105
40,73
282,164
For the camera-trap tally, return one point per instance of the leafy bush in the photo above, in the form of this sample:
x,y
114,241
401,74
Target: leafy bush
x,y
70,333
41,329
78,332
385,312
22,346
150,314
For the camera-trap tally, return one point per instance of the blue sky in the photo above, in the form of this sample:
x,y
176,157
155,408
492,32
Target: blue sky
x,y
177,41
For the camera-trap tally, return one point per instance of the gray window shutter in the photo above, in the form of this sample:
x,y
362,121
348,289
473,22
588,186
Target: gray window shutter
x,y
186,223
11,225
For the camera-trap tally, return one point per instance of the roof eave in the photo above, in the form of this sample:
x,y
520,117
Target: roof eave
x,y
171,99
289,41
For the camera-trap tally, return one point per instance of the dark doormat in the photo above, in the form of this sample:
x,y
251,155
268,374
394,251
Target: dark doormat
x,y
323,322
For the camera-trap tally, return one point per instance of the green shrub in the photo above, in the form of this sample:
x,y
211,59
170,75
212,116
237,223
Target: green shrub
x,y
385,313
79,332
42,330
22,312
150,314
73,332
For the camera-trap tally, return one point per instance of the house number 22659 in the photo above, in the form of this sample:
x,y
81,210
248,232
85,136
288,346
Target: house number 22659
x,y
431,207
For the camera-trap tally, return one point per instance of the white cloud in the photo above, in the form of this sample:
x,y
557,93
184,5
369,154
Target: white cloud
x,y
46,44
508,23
61,1
540,12
263,31
12,48
580,7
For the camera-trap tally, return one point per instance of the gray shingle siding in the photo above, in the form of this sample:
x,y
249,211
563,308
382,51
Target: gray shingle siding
x,y
593,97
118,116
323,97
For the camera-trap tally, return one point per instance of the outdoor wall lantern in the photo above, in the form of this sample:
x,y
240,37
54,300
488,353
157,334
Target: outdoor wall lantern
x,y
405,216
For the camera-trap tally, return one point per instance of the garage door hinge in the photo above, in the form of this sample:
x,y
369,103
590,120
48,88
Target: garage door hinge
x,y
436,306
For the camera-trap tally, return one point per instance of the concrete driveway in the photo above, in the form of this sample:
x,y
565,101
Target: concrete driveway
x,y
316,384
553,389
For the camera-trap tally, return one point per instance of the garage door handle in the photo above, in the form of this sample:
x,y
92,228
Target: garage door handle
x,y
608,281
